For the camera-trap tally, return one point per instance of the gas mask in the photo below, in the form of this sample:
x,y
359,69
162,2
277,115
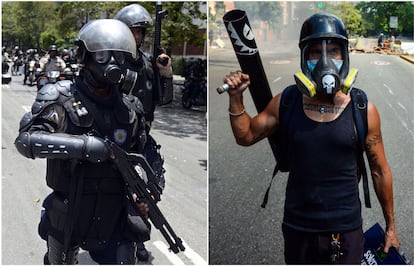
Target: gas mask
x,y
103,69
322,73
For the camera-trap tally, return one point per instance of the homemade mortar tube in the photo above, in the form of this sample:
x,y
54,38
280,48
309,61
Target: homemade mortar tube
x,y
244,45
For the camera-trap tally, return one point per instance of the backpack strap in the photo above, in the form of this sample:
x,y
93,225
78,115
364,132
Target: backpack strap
x,y
360,112
287,102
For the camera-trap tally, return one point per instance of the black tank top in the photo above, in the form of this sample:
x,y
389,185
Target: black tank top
x,y
322,190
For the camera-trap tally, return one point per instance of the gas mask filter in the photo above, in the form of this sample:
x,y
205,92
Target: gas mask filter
x,y
323,74
104,69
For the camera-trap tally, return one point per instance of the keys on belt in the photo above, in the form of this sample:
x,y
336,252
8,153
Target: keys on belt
x,y
335,248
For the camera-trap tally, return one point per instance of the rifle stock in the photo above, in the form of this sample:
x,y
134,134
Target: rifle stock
x,y
146,190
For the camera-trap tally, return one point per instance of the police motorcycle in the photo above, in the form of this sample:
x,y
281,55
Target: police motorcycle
x,y
74,68
5,71
195,84
31,66
195,92
44,78
71,65
30,72
17,63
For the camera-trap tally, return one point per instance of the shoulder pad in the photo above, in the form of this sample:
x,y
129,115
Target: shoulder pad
x,y
134,106
65,87
26,121
52,93
133,103
47,93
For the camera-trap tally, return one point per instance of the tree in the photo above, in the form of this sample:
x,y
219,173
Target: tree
x,y
39,23
350,15
377,16
25,21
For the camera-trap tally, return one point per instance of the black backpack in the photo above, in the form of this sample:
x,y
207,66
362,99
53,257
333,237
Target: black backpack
x,y
287,102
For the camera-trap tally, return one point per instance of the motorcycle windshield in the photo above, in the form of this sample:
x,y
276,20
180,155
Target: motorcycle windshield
x,y
53,74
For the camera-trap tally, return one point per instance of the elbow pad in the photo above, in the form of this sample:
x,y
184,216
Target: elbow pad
x,y
62,146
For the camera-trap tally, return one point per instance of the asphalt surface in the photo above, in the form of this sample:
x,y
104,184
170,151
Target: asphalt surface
x,y
240,231
182,134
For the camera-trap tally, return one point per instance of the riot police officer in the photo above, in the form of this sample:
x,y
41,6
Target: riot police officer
x,y
146,88
67,125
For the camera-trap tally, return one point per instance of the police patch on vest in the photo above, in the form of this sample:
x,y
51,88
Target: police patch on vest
x,y
120,136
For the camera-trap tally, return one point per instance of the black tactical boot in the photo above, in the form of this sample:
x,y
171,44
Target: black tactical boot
x,y
142,252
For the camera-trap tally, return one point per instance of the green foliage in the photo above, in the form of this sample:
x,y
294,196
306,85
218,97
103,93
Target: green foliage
x,y
377,16
178,63
47,38
350,15
373,17
37,23
26,21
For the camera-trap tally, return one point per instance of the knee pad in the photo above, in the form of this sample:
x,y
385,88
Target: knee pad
x,y
55,251
44,225
126,253
116,253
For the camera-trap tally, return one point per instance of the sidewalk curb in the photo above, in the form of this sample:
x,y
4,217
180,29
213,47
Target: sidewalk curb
x,y
408,58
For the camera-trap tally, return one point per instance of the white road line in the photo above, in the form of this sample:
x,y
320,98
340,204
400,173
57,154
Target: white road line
x,y
402,107
189,253
276,80
193,256
170,255
389,89
404,124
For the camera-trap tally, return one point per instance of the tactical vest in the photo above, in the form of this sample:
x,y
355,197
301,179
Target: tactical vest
x,y
145,84
97,190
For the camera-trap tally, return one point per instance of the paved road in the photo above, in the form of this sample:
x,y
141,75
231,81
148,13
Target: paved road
x,y
183,136
240,231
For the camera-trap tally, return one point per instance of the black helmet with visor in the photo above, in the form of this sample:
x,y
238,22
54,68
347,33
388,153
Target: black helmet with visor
x,y
134,15
102,47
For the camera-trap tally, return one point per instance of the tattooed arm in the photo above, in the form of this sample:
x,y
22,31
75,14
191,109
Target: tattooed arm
x,y
248,130
381,174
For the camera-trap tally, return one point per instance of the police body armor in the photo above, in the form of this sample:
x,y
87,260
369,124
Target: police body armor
x,y
101,200
143,88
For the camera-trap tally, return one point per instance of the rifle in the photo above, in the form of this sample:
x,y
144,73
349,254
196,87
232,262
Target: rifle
x,y
157,50
146,188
